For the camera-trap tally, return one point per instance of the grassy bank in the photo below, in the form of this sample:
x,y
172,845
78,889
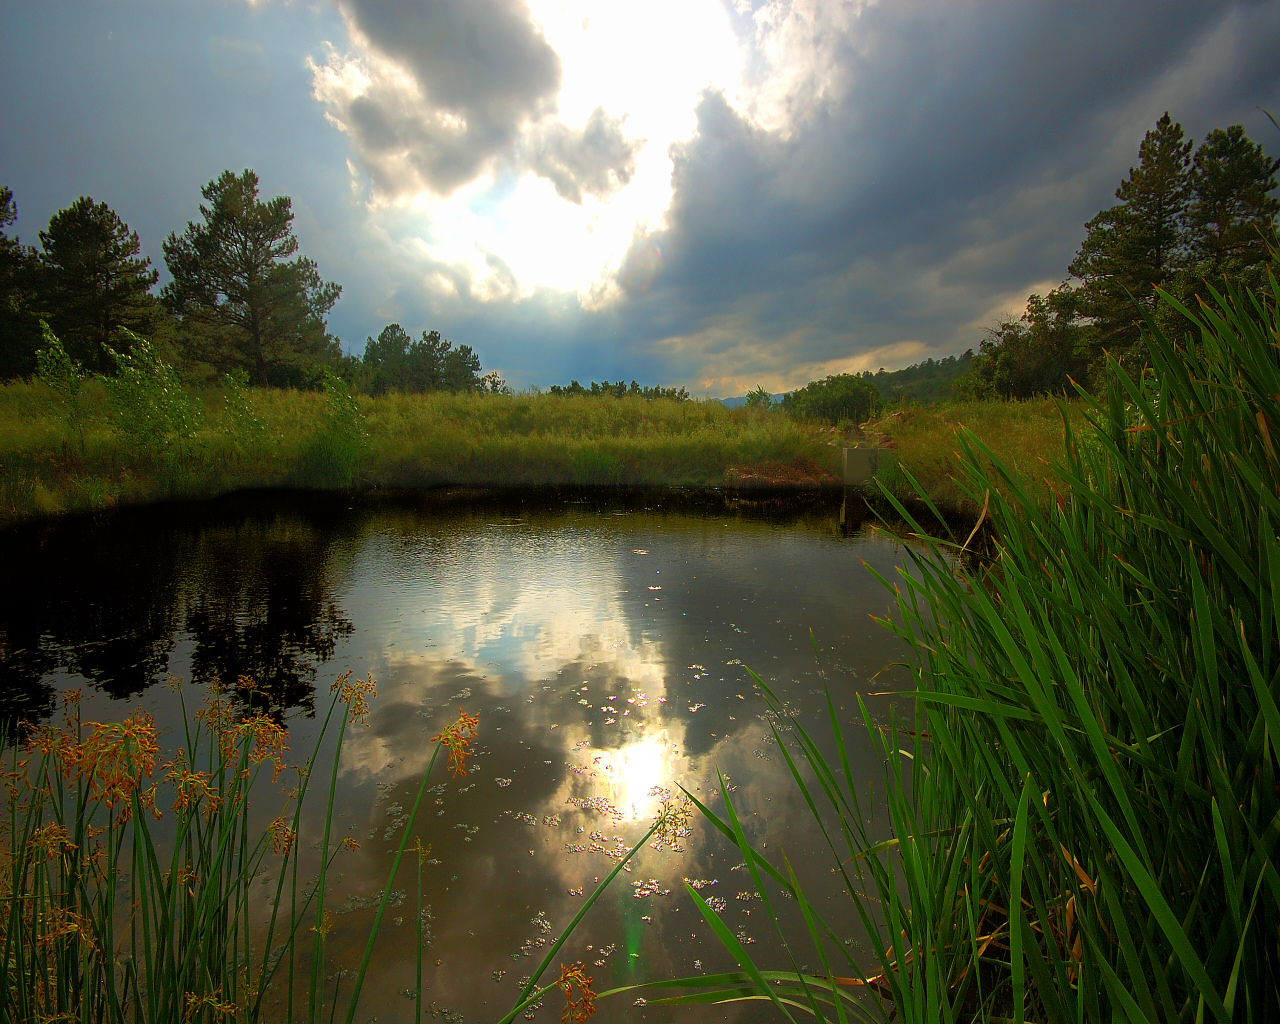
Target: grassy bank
x,y
1022,435
59,455
52,461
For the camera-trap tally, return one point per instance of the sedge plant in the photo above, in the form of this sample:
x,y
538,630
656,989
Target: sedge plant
x,y
110,918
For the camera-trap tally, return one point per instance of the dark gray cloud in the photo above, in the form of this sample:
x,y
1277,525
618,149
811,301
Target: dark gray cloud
x,y
896,176
598,160
479,70
951,167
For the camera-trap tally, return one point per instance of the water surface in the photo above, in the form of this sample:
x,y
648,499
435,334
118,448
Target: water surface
x,y
604,642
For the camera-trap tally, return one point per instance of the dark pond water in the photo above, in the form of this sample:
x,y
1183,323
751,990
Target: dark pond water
x,y
603,640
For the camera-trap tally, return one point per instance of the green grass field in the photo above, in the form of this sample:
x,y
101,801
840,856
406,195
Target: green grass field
x,y
49,463
294,439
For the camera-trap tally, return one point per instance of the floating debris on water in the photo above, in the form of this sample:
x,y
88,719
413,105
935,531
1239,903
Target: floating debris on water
x,y
718,903
650,888
502,783
354,902
695,707
700,883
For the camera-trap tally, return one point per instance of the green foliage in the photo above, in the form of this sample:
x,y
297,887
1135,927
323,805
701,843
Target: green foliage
x,y
240,298
1231,218
1084,803
335,452
397,363
759,398
841,397
93,282
932,380
149,406
247,429
620,389
1180,219
1039,354
65,378
20,335
1137,244
401,440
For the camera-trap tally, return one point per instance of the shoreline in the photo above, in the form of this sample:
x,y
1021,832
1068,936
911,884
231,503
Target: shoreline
x,y
850,509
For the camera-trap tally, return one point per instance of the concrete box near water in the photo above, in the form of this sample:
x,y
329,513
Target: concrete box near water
x,y
861,464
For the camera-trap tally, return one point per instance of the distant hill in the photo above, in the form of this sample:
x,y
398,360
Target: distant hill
x,y
925,382
930,381
741,400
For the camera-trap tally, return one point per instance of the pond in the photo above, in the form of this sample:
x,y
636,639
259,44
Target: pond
x,y
603,639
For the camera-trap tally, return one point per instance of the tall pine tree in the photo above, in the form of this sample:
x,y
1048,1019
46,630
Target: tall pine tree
x,y
1136,245
1231,221
242,301
94,282
20,336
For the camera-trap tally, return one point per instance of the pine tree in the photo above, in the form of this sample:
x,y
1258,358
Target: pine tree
x,y
1231,221
242,301
93,282
1136,245
397,363
20,335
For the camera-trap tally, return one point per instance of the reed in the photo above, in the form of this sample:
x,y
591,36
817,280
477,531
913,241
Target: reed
x,y
1083,808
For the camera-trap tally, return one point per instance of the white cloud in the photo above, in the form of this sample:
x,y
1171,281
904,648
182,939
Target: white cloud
x,y
554,195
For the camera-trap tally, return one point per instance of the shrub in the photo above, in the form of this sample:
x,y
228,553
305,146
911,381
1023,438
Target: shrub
x,y
149,406
844,396
334,453
65,378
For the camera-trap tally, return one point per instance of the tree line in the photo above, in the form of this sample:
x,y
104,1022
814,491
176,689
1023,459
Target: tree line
x,y
619,389
1188,218
242,300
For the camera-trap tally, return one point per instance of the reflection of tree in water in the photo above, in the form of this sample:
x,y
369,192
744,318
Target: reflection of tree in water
x,y
263,610
93,600
107,598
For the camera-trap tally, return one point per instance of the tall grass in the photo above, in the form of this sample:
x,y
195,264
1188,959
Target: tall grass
x,y
1022,433
108,916
53,461
1084,808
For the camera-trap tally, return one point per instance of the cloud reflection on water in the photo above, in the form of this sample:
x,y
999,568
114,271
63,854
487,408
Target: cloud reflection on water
x,y
595,699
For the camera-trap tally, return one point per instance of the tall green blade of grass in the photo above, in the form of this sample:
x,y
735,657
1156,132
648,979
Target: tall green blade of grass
x,y
1085,819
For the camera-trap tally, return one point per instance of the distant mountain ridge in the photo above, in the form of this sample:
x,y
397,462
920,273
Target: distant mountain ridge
x,y
925,382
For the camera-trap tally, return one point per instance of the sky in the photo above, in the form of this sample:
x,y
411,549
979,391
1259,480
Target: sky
x,y
715,194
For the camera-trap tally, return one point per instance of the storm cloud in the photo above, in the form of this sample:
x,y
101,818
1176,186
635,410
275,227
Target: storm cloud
x,y
439,88
599,159
716,193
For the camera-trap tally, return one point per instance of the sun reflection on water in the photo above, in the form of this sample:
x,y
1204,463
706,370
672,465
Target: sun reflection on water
x,y
639,773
